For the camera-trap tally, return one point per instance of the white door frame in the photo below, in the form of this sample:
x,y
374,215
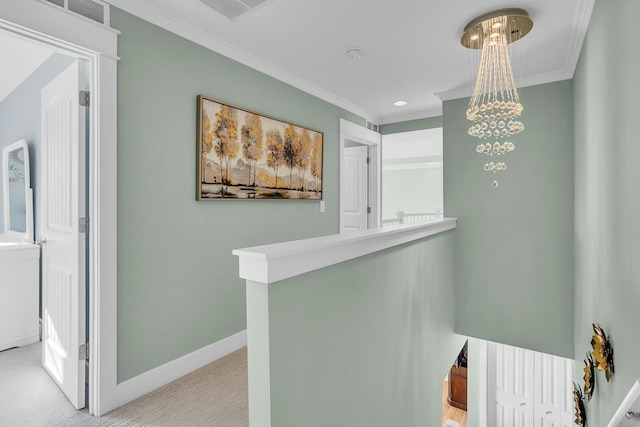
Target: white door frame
x,y
83,38
483,386
353,132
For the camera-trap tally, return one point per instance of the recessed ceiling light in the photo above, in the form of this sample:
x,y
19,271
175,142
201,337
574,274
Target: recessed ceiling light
x,y
400,103
354,52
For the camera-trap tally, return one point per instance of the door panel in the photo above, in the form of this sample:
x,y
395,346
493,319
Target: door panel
x,y
528,388
356,188
513,385
553,394
63,247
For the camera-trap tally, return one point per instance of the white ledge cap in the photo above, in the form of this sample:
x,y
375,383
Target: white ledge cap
x,y
271,263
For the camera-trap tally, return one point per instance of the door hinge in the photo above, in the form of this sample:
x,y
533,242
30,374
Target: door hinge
x,y
368,160
83,352
368,209
85,98
83,225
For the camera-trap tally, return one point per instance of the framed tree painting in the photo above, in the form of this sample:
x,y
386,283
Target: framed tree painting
x,y
245,155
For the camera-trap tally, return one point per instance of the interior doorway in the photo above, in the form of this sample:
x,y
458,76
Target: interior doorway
x,y
57,26
454,391
412,177
359,177
56,140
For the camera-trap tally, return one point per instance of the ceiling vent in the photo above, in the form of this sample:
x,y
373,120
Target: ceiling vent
x,y
372,126
95,10
232,9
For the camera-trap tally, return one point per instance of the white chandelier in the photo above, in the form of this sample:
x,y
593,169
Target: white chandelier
x,y
495,106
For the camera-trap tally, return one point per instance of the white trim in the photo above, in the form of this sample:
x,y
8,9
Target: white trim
x,y
149,381
375,184
491,377
581,24
359,133
483,361
271,263
632,398
74,35
103,241
353,132
153,14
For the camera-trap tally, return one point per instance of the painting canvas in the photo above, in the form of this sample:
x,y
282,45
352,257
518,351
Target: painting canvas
x,y
244,155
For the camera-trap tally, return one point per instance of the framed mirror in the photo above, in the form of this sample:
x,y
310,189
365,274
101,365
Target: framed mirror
x,y
17,196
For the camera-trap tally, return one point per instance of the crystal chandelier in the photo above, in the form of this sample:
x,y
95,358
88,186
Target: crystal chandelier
x,y
495,106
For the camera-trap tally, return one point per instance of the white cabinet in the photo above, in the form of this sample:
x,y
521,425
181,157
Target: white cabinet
x,y
19,294
527,388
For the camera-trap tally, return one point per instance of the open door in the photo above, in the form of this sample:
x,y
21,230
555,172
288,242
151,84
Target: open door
x,y
63,244
356,187
359,177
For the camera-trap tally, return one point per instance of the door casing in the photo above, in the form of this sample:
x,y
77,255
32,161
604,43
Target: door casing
x,y
76,36
350,131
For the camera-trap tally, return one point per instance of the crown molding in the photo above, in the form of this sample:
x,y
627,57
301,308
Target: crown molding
x,y
145,10
580,25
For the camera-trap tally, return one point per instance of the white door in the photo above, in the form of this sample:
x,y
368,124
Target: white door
x,y
510,382
527,388
553,393
63,247
356,188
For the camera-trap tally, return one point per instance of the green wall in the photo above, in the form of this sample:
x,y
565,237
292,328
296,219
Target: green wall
x,y
178,285
411,125
366,342
514,244
607,207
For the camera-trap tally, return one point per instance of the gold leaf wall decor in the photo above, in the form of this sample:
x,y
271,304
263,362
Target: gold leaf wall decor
x,y
602,351
580,411
589,377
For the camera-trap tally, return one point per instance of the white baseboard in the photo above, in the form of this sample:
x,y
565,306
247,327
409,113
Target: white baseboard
x,y
142,384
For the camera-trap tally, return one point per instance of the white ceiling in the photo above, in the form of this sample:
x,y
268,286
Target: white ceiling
x,y
411,48
18,59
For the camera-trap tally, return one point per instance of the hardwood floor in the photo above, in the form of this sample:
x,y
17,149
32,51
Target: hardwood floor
x,y
449,412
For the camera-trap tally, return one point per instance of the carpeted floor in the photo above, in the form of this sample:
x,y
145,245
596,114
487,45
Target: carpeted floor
x,y
214,396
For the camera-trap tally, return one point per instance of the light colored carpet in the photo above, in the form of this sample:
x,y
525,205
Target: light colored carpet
x,y
214,396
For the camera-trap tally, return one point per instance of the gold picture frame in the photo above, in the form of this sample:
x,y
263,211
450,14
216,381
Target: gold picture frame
x,y
242,155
